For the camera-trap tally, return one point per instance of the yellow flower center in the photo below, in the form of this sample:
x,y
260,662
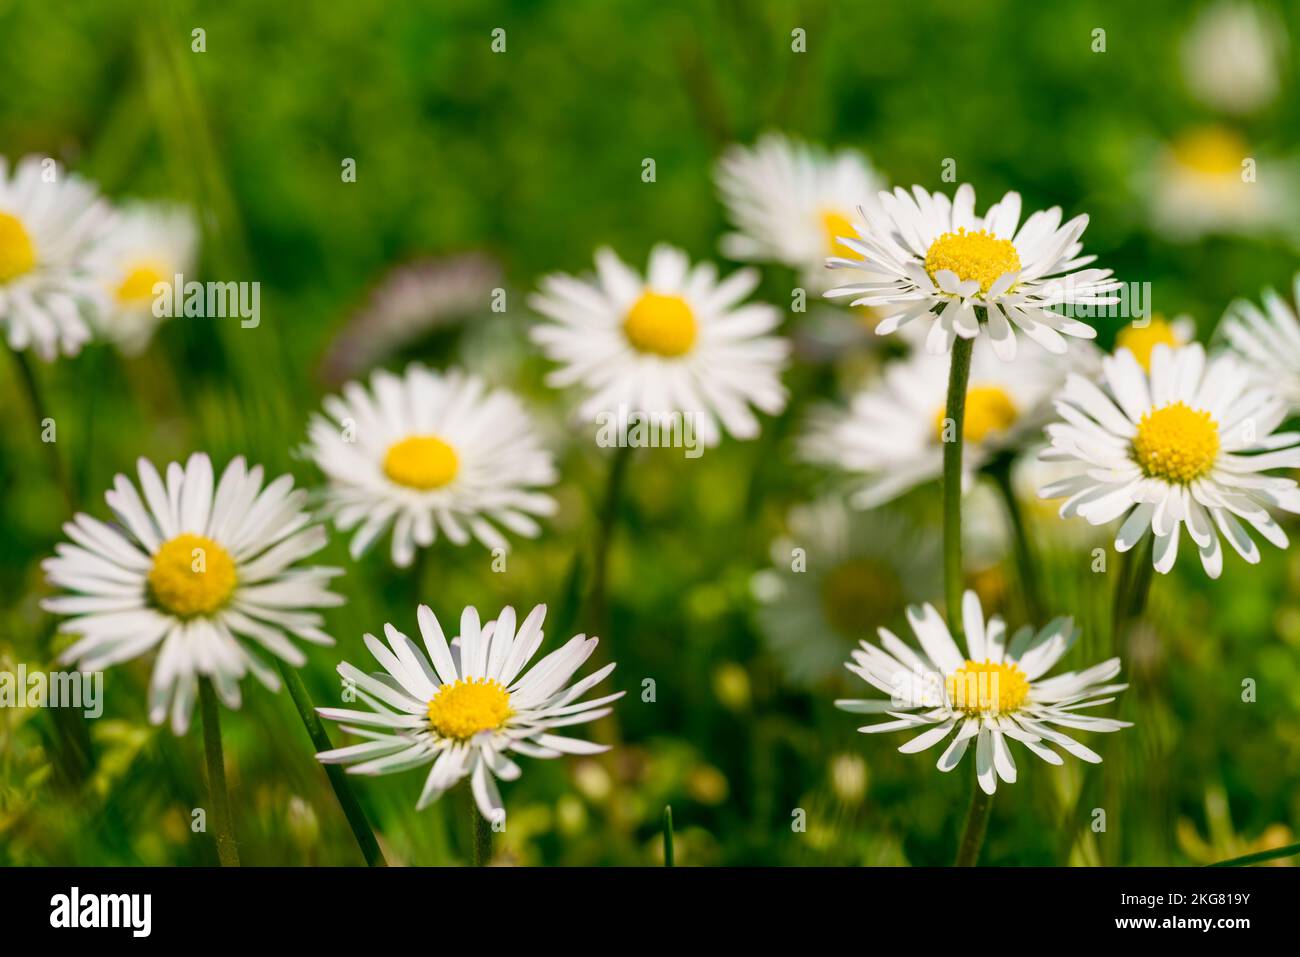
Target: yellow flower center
x,y
660,325
834,225
979,255
1211,150
421,462
464,708
137,287
17,254
1176,443
989,410
987,688
191,575
1141,341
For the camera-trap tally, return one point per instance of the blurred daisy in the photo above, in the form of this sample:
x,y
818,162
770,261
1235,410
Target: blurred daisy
x,y
48,222
1188,445
1267,340
149,244
891,436
791,203
1230,56
836,576
677,341
1157,330
995,692
468,705
429,451
202,574
924,256
1199,184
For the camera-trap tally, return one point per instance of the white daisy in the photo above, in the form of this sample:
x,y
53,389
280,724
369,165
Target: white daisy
x,y
468,705
791,203
429,451
925,256
994,692
1268,340
48,222
1230,55
1141,339
201,574
677,341
1186,446
891,436
149,244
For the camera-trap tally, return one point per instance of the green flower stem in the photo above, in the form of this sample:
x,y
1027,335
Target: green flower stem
x,y
955,414
1260,857
977,822
482,835
227,849
338,778
31,385
1026,563
668,836
597,598
1131,591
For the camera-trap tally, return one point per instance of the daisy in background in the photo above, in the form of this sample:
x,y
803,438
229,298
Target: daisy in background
x,y
49,220
891,436
205,575
1231,54
924,256
1141,340
1267,340
677,340
150,243
469,705
791,203
837,574
1188,445
428,452
993,694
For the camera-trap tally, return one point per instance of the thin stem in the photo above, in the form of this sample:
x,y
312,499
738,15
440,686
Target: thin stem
x,y
955,419
668,836
338,778
977,822
1026,564
1260,857
1131,592
597,599
227,849
482,836
31,385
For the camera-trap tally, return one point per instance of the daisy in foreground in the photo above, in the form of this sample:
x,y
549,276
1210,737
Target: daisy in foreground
x,y
677,341
1188,445
1268,340
791,203
430,451
202,575
995,692
467,705
924,256
149,244
49,221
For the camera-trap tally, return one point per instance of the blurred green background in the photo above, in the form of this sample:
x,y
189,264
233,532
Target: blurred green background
x,y
532,158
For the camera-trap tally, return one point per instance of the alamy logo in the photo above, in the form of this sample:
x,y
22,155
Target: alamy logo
x,y
639,429
213,300
58,689
133,911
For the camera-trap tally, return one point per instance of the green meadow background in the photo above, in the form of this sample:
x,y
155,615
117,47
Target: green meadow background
x,y
530,159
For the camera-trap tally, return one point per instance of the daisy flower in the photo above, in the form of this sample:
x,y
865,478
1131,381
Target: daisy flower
x,y
1187,445
1141,340
1230,56
149,244
48,222
891,436
675,341
994,692
791,203
468,705
429,451
923,255
202,574
1268,340
836,575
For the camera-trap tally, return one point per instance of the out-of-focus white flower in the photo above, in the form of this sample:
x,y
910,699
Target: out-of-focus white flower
x,y
1231,55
